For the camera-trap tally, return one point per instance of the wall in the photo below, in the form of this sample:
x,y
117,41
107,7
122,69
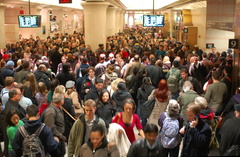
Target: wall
x,y
199,20
74,21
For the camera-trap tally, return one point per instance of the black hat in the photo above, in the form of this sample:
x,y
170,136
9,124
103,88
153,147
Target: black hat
x,y
176,63
237,107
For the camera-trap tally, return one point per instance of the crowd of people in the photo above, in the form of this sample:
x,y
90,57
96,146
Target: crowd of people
x,y
94,101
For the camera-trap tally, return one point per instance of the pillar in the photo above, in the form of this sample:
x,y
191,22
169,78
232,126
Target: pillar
x,y
95,23
111,20
122,20
187,17
2,24
131,21
117,22
236,59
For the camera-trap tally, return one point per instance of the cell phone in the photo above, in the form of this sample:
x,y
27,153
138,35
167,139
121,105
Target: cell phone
x,y
196,117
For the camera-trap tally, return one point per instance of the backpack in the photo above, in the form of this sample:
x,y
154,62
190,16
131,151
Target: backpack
x,y
169,132
172,81
32,145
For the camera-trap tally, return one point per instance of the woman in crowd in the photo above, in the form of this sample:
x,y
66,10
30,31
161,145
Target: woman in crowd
x,y
30,87
73,95
109,76
98,146
172,111
142,96
113,87
162,95
128,119
41,96
197,133
13,121
53,84
65,75
106,107
88,82
60,65
120,95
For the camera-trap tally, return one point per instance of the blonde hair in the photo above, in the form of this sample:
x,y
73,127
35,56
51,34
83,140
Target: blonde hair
x,y
60,89
195,108
201,101
42,88
114,84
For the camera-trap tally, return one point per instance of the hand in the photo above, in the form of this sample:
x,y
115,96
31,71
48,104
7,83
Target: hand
x,y
56,139
86,90
194,122
63,138
120,131
182,130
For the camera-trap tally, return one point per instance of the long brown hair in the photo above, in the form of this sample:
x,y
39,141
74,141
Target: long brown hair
x,y
161,93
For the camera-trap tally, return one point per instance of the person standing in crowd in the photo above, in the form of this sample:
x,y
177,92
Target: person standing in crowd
x,y
13,122
154,72
7,71
54,119
49,142
95,91
106,107
172,111
230,131
97,145
127,119
197,133
120,95
216,93
142,96
87,82
65,75
162,95
80,131
148,146
9,84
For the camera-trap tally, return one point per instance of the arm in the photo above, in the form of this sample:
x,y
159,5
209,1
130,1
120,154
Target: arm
x,y
151,95
49,142
132,150
17,144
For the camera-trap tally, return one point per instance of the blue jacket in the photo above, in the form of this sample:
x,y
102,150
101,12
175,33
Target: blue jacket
x,y
46,137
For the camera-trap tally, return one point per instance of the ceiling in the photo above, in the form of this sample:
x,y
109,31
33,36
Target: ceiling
x,y
129,5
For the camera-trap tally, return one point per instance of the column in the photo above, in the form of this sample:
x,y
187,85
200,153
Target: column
x,y
2,24
236,59
131,19
117,22
122,20
95,23
111,20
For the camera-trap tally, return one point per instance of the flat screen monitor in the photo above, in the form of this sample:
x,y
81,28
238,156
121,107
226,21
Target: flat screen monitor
x,y
29,21
153,20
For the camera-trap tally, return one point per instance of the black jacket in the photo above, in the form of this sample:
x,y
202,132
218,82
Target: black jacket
x,y
92,94
46,137
155,73
119,97
64,77
43,77
196,140
106,111
140,149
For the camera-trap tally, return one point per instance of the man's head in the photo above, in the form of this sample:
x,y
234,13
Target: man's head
x,y
42,67
15,94
90,109
184,73
9,81
32,112
26,64
10,64
151,132
99,83
237,110
101,46
216,75
58,99
136,58
187,86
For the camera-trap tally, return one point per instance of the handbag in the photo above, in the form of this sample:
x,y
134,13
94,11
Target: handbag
x,y
220,120
148,107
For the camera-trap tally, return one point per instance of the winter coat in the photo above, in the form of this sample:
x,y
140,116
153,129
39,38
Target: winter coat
x,y
119,97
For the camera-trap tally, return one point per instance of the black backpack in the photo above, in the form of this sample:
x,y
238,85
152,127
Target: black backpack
x,y
32,145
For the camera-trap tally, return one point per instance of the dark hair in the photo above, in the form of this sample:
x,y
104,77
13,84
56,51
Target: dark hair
x,y
151,128
65,67
53,84
84,60
32,111
129,101
25,64
216,75
184,70
153,60
97,128
98,80
145,82
122,86
228,70
99,100
9,116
